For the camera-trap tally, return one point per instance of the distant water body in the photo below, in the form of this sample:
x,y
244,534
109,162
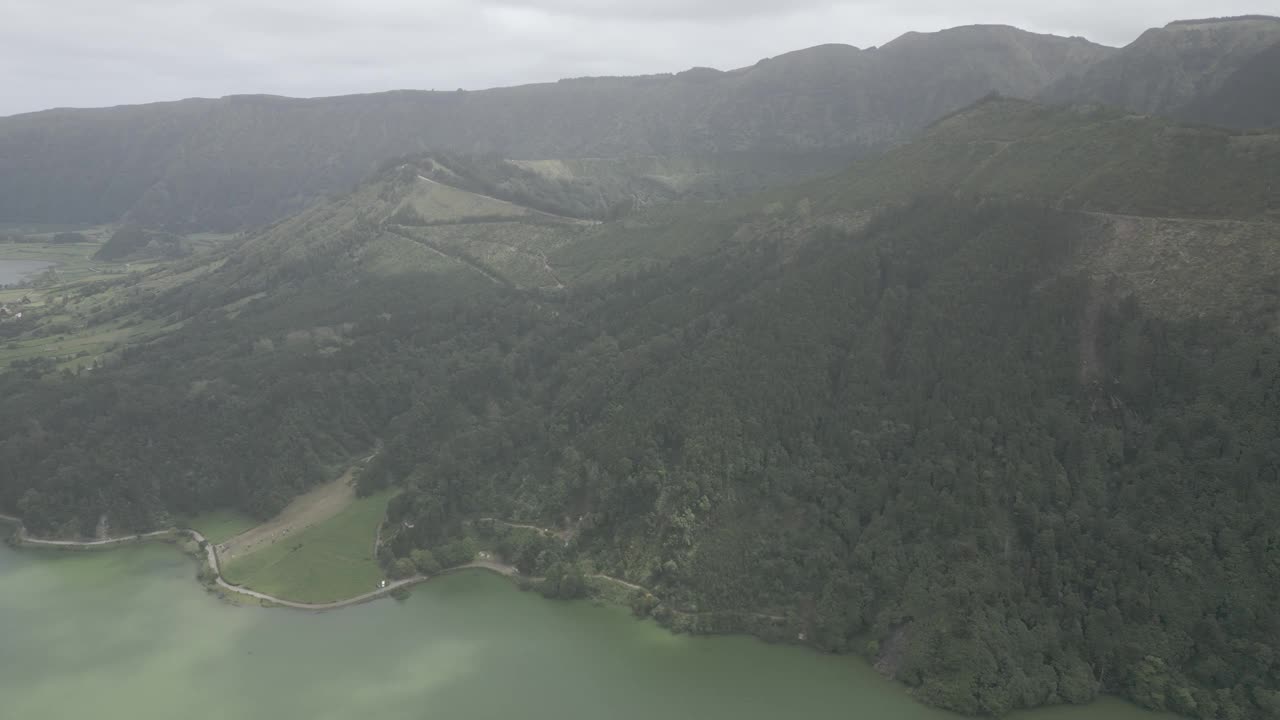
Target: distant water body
x,y
129,635
14,271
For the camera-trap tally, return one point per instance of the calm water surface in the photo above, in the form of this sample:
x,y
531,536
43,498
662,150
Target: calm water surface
x,y
129,635
12,271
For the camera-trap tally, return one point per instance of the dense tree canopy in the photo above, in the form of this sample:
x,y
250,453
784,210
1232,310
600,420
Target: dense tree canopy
x,y
925,433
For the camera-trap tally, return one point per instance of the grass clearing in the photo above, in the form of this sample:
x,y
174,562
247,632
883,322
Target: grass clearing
x,y
311,508
434,202
78,348
330,561
220,525
62,329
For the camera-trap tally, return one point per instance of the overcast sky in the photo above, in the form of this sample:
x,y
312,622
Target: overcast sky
x,y
85,53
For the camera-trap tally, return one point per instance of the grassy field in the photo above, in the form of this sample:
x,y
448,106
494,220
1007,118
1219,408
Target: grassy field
x,y
65,331
73,262
206,242
327,562
219,525
77,348
434,203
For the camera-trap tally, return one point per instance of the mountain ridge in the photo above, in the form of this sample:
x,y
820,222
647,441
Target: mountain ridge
x,y
245,160
815,49
1172,69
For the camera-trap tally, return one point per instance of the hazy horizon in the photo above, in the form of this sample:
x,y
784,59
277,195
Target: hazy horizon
x,y
78,53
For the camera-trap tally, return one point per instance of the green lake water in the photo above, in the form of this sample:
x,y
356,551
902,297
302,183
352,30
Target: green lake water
x,y
129,635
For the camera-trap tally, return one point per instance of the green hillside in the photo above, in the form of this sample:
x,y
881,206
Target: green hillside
x,y
996,409
1088,158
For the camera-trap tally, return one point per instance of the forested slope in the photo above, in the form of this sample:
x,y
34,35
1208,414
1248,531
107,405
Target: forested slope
x,y
1001,418
1083,157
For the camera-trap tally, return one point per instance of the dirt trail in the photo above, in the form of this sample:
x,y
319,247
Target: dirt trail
x,y
309,509
212,557
522,526
27,540
623,583
546,265
568,534
1207,221
320,504
502,569
564,535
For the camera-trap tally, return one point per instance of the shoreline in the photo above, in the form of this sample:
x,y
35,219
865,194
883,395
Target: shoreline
x,y
206,552
228,592
777,628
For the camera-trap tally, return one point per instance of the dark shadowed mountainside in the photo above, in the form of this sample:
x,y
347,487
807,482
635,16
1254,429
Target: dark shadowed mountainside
x,y
1219,71
1250,98
133,243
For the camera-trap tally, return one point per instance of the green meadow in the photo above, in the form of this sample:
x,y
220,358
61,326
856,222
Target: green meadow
x,y
327,562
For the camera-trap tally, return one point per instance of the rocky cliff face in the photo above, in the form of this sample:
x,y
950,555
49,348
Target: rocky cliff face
x,y
1179,69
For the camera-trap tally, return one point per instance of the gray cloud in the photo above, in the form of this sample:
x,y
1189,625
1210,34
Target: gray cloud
x,y
91,53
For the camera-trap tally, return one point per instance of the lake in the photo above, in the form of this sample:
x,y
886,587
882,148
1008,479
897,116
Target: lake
x,y
129,635
13,271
